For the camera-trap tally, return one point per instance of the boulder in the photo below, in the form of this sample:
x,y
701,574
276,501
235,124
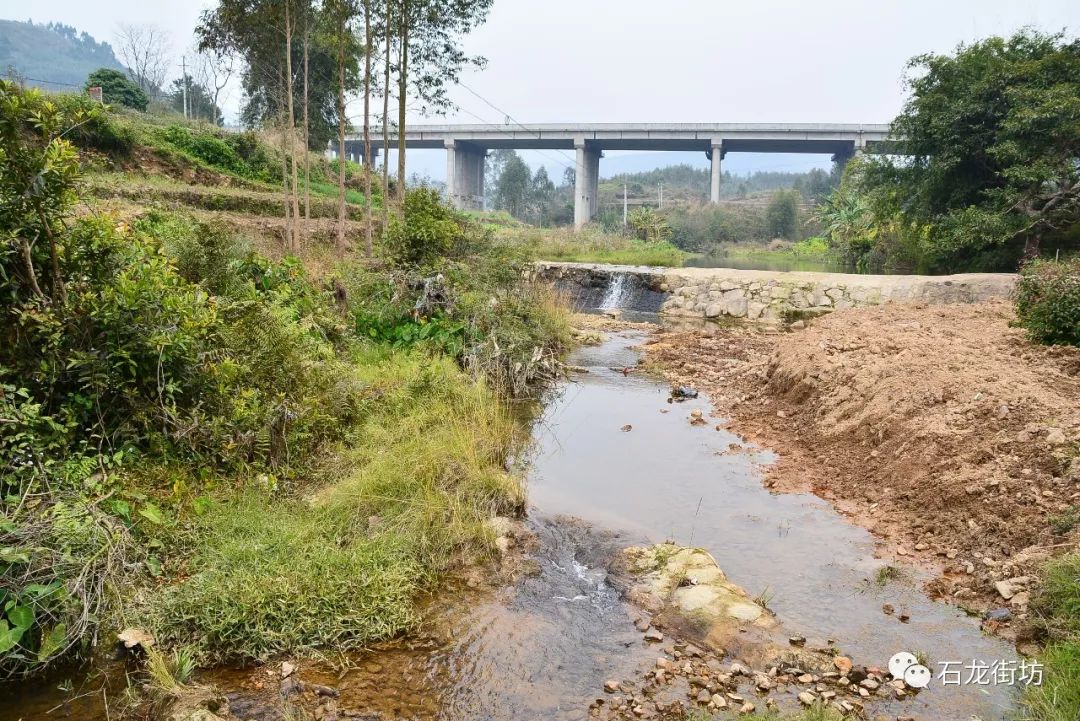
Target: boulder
x,y
686,583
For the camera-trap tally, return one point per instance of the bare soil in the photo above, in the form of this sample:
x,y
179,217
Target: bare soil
x,y
941,429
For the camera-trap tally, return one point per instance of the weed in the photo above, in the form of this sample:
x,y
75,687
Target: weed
x,y
887,573
764,598
1066,521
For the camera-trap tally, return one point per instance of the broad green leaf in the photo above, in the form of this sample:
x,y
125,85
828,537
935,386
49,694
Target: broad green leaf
x,y
152,513
21,617
51,641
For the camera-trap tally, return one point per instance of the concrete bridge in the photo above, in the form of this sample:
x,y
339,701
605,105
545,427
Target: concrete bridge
x,y
467,146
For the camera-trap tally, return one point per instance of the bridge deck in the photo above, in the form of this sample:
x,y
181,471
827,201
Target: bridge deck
x,y
833,138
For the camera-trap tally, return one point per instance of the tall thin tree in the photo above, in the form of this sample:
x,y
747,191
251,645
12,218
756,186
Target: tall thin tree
x,y
403,80
295,240
368,166
342,44
307,124
388,32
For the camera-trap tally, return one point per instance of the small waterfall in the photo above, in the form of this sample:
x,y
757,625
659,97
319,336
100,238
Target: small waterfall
x,y
618,289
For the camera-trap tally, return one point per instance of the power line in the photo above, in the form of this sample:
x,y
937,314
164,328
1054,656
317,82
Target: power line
x,y
511,118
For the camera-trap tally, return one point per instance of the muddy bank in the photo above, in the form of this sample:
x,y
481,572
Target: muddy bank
x,y
940,429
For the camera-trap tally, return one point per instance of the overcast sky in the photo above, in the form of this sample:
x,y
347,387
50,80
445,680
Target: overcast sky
x,y
667,61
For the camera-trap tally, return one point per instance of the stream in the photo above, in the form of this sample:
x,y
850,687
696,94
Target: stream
x,y
542,647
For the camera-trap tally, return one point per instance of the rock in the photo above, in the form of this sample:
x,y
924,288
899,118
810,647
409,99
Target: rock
x,y
641,624
1056,437
687,582
922,546
869,684
807,699
736,307
1005,589
1020,600
627,428
696,413
287,669
611,686
654,636
797,641
746,708
997,614
684,392
136,637
704,697
887,609
857,674
719,701
737,669
842,664
798,325
714,310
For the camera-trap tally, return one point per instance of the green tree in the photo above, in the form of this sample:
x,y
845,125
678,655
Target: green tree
x,y
541,194
991,137
117,89
200,103
782,214
514,186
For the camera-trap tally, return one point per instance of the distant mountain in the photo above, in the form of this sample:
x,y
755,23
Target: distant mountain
x,y
52,56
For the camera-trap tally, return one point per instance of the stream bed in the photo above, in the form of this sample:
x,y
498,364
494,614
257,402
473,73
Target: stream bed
x,y
542,648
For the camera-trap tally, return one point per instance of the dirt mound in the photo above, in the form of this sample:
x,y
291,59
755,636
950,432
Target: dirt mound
x,y
940,428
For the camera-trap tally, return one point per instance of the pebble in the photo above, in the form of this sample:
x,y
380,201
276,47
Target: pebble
x,y
746,708
842,664
1005,589
807,699
654,635
797,641
997,614
611,686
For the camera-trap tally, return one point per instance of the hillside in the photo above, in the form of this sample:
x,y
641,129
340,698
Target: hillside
x,y
52,56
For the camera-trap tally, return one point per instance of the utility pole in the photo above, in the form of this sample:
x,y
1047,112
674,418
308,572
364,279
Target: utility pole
x,y
624,203
183,66
660,186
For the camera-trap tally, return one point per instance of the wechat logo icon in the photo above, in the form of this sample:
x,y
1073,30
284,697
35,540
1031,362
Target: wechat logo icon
x,y
905,666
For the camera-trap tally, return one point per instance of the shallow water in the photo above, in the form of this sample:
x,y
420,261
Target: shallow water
x,y
665,479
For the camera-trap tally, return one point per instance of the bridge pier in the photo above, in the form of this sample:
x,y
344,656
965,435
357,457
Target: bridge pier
x,y
465,175
586,182
716,155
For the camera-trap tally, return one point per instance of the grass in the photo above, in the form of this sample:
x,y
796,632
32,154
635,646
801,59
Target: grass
x,y
817,712
590,245
159,189
1057,608
406,497
887,573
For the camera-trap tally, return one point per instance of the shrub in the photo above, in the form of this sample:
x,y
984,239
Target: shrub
x,y
100,130
429,229
1048,301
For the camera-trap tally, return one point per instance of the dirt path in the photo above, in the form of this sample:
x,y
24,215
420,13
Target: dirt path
x,y
941,429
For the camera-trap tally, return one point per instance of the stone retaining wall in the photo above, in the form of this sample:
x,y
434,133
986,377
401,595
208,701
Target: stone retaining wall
x,y
773,296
